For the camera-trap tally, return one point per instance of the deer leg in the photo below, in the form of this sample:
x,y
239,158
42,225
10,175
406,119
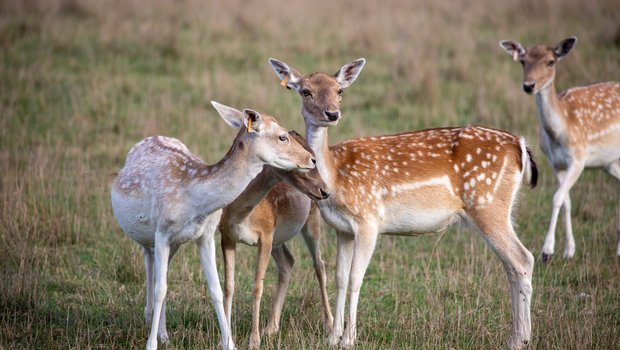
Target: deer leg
x,y
311,233
345,244
206,249
518,263
162,332
365,241
229,251
264,250
614,170
284,261
569,245
162,251
566,180
149,266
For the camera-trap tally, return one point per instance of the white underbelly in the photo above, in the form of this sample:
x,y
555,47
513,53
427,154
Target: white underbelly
x,y
415,220
135,218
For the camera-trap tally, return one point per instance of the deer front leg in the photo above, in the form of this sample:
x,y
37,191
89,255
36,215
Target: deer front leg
x,y
343,268
311,233
614,170
229,251
284,261
206,249
365,241
264,250
566,181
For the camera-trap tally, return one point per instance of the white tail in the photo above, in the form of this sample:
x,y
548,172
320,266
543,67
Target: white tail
x,y
579,128
268,214
165,196
413,183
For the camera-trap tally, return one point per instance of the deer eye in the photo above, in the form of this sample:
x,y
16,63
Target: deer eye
x,y
283,138
305,93
550,63
340,92
522,62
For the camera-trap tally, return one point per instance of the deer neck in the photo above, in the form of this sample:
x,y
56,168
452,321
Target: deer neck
x,y
258,188
218,185
550,111
317,139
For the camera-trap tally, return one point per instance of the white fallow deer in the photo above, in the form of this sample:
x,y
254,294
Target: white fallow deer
x,y
268,214
413,183
165,196
579,128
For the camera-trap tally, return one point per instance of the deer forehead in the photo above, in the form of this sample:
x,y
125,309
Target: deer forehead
x,y
320,82
539,53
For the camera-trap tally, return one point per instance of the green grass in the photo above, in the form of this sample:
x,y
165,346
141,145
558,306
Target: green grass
x,y
81,81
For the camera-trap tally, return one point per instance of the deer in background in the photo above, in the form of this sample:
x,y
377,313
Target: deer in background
x,y
166,196
579,128
268,214
409,184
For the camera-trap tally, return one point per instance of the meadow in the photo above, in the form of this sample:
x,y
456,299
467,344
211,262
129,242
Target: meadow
x,y
81,81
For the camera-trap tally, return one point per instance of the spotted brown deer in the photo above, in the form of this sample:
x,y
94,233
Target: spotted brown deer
x,y
579,128
166,196
409,184
273,209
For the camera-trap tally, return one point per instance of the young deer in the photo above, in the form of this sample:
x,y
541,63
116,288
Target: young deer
x,y
580,128
268,214
409,184
165,196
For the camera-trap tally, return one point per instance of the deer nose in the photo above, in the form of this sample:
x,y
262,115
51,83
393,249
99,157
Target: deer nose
x,y
332,116
324,193
528,86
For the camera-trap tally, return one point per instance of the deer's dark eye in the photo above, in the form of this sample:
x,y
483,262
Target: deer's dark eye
x,y
340,92
522,62
550,63
305,93
283,138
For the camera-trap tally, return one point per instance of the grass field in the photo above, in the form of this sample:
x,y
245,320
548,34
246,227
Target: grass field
x,y
81,81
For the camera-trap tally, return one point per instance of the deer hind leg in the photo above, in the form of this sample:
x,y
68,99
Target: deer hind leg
x,y
566,180
162,332
149,266
365,241
518,263
162,252
311,233
614,170
284,261
344,255
264,250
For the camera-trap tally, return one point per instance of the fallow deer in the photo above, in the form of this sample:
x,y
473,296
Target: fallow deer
x,y
268,214
579,128
166,196
413,183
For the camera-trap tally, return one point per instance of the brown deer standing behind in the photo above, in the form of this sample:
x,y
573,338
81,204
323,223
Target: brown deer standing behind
x,y
579,128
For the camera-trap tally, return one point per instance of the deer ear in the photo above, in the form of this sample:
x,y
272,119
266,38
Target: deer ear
x,y
230,115
347,74
514,48
564,47
289,77
253,120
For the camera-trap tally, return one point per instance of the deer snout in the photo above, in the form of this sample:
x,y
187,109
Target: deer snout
x,y
332,116
528,86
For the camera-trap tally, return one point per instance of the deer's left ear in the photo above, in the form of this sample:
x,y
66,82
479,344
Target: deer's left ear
x,y
289,77
252,120
230,115
564,47
347,74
